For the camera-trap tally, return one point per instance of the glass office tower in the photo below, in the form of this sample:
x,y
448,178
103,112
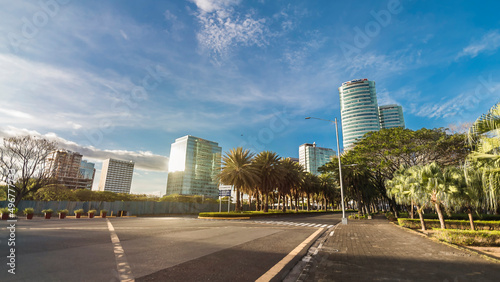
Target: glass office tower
x,y
359,110
391,116
312,157
193,167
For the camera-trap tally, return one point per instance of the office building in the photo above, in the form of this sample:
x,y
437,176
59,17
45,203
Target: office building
x,y
64,167
312,157
116,176
391,116
86,175
193,167
358,109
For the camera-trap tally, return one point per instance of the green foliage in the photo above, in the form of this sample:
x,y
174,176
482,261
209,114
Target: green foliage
x,y
4,211
47,211
80,211
469,238
252,213
63,211
54,192
29,211
452,224
92,211
183,198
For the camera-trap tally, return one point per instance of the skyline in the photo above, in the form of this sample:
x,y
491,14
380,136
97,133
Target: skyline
x,y
124,79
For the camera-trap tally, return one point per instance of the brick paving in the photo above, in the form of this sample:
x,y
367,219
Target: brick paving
x,y
376,250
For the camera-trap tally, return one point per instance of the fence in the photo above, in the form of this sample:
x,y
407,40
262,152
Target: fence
x,y
132,208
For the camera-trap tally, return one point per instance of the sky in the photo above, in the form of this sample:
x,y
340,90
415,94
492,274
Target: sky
x,y
124,79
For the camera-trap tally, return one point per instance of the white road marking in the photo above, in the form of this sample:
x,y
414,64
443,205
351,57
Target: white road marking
x,y
281,264
124,270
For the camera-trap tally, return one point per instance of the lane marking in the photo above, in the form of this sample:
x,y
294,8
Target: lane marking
x,y
282,263
124,270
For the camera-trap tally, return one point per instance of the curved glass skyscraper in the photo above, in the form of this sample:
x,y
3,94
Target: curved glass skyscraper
x,y
359,110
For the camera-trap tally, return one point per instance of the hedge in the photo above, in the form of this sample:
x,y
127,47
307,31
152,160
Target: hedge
x,y
451,224
257,213
454,216
468,237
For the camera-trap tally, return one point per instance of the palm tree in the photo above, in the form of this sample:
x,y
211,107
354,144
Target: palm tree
x,y
406,189
267,164
484,137
237,170
290,180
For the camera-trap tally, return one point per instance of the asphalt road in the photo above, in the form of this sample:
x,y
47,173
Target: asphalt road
x,y
155,249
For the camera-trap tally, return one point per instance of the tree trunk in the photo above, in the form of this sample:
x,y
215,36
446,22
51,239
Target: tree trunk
x,y
471,219
266,206
421,216
284,203
308,202
237,208
440,215
412,212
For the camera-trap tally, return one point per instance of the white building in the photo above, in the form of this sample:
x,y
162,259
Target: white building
x,y
116,176
391,116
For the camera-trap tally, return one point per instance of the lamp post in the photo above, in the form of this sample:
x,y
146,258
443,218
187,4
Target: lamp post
x,y
344,219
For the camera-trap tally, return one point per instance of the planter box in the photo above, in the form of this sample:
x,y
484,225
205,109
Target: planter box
x,y
91,215
48,215
62,216
78,215
5,216
29,216
103,215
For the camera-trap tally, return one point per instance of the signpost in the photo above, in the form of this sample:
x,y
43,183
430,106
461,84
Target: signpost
x,y
225,191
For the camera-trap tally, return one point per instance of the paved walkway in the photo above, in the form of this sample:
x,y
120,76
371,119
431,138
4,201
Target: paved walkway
x,y
376,250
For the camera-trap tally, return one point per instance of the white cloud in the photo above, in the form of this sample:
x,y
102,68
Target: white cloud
x,y
489,42
143,160
222,28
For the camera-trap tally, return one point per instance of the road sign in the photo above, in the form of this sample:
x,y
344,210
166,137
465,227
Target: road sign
x,y
225,187
224,193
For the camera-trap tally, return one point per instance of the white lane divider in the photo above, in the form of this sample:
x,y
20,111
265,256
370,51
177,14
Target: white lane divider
x,y
124,270
282,263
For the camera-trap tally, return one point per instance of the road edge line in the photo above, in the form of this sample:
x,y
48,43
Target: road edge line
x,y
271,273
122,266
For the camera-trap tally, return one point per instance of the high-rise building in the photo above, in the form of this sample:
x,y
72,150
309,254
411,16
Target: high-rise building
x,y
64,167
116,176
359,110
193,167
86,175
312,157
391,116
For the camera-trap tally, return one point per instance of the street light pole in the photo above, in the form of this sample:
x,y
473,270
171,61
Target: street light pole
x,y
344,219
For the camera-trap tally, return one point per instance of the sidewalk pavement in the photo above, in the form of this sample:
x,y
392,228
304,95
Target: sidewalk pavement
x,y
377,250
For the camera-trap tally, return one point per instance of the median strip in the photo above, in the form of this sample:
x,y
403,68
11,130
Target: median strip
x,y
282,263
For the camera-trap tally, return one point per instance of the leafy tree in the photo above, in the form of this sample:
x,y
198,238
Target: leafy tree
x,y
22,161
54,192
237,170
290,178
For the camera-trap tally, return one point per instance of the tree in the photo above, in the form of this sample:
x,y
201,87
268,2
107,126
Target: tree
x,y
55,192
22,161
267,164
290,178
237,170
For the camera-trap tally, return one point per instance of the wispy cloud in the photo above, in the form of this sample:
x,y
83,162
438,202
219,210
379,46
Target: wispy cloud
x,y
223,28
489,42
143,160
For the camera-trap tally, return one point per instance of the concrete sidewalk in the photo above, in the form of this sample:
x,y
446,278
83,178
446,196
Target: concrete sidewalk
x,y
376,250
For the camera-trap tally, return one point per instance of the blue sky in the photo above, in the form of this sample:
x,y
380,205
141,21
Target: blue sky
x,y
124,79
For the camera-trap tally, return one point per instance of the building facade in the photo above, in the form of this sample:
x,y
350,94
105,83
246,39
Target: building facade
x,y
193,167
64,167
86,175
391,116
358,109
116,176
312,157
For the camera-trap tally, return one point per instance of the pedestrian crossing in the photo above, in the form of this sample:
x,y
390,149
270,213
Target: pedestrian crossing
x,y
301,224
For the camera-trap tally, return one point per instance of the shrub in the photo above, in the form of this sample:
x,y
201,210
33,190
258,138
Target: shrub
x,y
92,211
47,211
4,211
78,211
63,211
452,224
469,237
29,211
